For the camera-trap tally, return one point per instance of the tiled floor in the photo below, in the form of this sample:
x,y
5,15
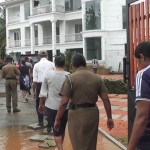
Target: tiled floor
x,y
119,114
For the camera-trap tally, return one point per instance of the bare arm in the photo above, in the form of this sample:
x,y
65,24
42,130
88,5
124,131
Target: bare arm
x,y
140,123
107,105
17,71
41,104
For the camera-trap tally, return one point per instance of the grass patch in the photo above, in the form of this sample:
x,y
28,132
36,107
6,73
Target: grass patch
x,y
123,140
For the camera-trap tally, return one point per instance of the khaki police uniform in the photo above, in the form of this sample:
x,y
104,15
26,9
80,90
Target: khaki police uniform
x,y
9,72
83,88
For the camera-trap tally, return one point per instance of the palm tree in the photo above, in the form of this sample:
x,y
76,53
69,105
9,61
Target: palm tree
x,y
2,33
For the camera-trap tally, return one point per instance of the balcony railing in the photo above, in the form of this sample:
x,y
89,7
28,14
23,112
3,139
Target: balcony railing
x,y
47,40
60,8
14,19
57,39
73,37
46,9
36,41
16,43
41,9
27,42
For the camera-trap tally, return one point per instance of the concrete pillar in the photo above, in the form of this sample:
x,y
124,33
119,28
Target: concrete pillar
x,y
53,6
83,16
31,7
22,36
32,38
54,37
7,38
102,9
40,34
103,51
84,48
22,14
62,30
6,16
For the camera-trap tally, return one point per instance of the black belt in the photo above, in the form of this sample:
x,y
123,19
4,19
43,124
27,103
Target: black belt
x,y
85,105
10,78
39,82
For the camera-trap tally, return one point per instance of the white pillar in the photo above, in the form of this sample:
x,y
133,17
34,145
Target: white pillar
x,y
7,38
54,37
84,48
83,16
32,39
53,6
62,29
102,9
40,34
6,16
103,51
22,36
31,7
22,14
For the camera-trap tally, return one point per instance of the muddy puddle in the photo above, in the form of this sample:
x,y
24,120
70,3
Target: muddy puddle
x,y
17,138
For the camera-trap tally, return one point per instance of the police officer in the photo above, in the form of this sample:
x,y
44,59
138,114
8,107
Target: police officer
x,y
83,88
10,72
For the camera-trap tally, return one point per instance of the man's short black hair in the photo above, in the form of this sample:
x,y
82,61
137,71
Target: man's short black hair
x,y
59,61
143,48
23,61
78,60
8,58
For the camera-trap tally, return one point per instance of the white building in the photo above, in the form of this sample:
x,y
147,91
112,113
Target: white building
x,y
92,27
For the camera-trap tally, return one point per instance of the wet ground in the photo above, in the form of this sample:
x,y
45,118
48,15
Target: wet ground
x,y
17,138
14,134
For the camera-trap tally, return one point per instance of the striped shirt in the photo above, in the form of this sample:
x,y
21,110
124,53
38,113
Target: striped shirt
x,y
143,94
143,84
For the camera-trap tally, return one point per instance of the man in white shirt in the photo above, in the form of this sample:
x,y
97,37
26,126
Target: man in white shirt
x,y
39,72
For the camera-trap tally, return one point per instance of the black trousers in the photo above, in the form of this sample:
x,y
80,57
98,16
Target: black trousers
x,y
40,116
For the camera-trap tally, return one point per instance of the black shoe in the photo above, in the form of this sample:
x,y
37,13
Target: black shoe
x,y
8,110
16,110
41,124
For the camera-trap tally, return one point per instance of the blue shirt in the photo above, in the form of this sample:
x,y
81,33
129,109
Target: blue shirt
x,y
143,93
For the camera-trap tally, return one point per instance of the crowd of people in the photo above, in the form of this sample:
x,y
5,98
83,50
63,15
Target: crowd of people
x,y
60,96
71,98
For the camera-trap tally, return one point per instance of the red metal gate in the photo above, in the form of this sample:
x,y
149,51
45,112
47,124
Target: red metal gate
x,y
139,31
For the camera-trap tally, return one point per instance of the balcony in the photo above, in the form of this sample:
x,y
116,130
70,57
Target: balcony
x,y
73,37
46,9
47,40
60,8
27,42
14,19
41,10
16,43
36,41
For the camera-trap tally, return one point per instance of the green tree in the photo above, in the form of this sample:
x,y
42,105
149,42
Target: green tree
x,y
2,32
68,56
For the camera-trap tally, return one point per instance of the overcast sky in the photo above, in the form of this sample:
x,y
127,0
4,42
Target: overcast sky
x,y
1,1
